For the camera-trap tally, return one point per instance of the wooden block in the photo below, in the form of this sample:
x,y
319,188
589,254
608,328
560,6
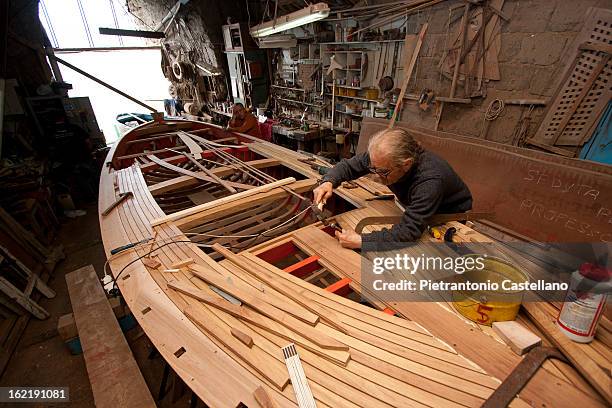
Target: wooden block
x,y
66,327
514,334
243,337
183,263
151,263
171,270
263,399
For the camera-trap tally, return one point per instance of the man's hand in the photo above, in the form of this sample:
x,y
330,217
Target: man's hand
x,y
349,238
323,193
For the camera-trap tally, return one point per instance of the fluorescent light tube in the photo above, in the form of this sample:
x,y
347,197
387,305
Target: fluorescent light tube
x,y
298,18
277,41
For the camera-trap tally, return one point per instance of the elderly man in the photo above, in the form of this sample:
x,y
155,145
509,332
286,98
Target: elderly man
x,y
424,183
243,121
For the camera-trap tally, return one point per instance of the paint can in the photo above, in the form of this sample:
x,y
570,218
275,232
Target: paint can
x,y
584,302
488,306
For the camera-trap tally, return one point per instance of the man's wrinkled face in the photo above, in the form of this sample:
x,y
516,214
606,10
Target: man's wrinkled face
x,y
385,169
239,112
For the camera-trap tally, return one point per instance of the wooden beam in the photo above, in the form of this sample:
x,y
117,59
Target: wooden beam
x,y
251,295
552,149
408,74
180,158
186,181
132,33
262,362
249,193
116,380
180,170
452,100
262,274
194,148
244,314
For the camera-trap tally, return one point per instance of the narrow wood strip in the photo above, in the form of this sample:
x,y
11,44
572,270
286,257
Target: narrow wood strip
x,y
259,361
194,148
252,295
190,173
273,313
191,211
261,274
263,322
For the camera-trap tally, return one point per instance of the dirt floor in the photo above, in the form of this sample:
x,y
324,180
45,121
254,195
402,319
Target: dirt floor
x,y
41,357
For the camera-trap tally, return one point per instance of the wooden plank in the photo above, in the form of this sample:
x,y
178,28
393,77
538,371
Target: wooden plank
x,y
516,336
287,320
408,74
194,148
262,274
592,372
268,367
223,171
245,203
116,380
452,100
182,263
197,209
132,33
237,287
263,322
180,170
447,326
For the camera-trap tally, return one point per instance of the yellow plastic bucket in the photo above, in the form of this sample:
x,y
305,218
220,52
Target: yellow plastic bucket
x,y
488,306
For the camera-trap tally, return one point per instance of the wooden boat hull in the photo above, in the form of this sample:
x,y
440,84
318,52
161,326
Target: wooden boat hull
x,y
353,355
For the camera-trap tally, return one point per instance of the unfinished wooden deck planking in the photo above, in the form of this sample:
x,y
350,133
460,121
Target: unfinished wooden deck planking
x,y
393,361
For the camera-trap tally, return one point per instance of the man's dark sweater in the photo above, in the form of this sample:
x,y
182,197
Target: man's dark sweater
x,y
430,187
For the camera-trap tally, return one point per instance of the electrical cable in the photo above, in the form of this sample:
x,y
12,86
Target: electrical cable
x,y
252,236
43,7
114,13
85,23
148,254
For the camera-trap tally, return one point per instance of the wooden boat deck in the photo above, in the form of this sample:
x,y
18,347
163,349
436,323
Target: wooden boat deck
x,y
353,355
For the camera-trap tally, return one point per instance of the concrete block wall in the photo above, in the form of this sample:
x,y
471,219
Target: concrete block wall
x,y
535,49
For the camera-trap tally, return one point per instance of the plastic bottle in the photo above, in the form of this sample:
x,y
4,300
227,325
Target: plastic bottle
x,y
584,302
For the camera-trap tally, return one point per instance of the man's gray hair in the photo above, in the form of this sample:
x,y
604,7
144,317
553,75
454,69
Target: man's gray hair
x,y
399,143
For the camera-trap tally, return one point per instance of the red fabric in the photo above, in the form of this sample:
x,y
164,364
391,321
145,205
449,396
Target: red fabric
x,y
266,130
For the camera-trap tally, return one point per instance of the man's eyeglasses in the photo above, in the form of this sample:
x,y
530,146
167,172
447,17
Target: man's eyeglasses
x,y
380,172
